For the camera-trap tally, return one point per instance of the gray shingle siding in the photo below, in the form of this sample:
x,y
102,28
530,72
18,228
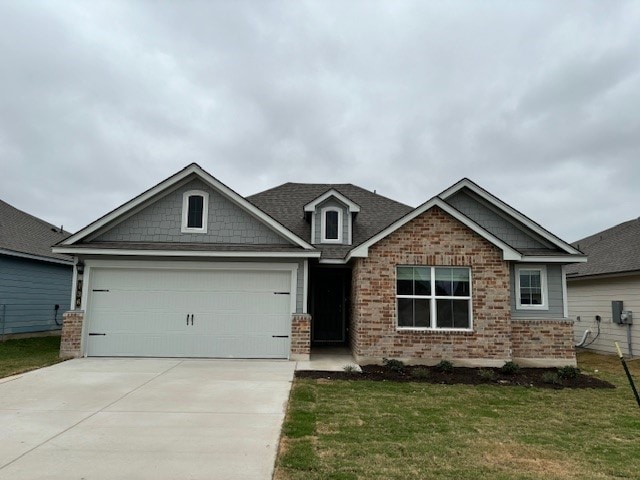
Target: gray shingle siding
x,y
554,292
494,223
332,202
29,290
162,222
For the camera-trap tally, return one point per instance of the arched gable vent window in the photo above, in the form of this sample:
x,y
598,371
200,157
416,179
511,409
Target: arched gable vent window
x,y
195,205
332,225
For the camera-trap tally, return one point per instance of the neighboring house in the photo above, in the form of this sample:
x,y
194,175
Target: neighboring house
x,y
35,284
612,275
190,268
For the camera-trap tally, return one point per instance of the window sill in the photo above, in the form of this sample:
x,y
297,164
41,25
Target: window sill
x,y
434,330
532,308
194,230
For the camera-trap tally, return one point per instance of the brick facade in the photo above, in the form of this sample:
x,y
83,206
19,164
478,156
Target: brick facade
x,y
543,342
300,336
437,239
71,341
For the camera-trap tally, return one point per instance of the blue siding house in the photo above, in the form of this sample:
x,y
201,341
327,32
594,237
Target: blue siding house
x,y
35,284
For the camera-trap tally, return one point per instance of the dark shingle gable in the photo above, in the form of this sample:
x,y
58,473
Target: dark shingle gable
x,y
614,250
286,203
24,233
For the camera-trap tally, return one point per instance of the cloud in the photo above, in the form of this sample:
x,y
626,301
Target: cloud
x,y
536,101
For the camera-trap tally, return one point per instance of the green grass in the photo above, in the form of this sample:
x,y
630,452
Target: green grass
x,y
24,354
386,430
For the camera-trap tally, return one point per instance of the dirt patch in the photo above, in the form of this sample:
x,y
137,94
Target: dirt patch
x,y
527,377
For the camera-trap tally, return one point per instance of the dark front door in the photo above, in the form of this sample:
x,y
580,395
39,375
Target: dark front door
x,y
329,304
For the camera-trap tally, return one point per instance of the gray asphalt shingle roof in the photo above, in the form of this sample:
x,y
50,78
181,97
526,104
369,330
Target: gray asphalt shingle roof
x,y
24,233
614,250
286,202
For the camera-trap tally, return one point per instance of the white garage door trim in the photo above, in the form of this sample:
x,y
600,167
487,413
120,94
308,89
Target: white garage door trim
x,y
91,265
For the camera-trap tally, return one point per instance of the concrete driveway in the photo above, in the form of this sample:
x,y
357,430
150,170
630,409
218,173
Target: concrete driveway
x,y
108,418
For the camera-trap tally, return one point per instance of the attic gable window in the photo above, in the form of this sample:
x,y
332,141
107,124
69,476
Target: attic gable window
x,y
331,225
195,205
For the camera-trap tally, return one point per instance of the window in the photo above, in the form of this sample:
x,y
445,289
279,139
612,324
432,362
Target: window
x,y
531,287
331,228
434,297
194,211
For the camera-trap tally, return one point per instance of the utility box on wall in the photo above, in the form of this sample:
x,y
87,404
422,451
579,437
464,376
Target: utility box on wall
x,y
616,311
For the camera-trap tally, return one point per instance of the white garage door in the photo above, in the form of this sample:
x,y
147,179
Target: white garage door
x,y
189,313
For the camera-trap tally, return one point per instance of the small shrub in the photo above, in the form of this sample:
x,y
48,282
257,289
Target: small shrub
x,y
568,372
487,375
510,368
445,366
350,369
394,365
420,373
551,377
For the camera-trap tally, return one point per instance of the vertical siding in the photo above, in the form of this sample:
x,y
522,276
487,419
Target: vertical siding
x,y
588,298
554,287
30,289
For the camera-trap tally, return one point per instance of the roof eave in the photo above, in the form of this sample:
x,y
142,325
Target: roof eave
x,y
508,253
32,256
71,250
311,206
169,182
465,182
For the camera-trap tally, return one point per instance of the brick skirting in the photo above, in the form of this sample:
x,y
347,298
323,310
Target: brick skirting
x,y
543,342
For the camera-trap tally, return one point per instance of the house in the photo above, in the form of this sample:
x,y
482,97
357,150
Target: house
x,y
35,284
191,268
595,290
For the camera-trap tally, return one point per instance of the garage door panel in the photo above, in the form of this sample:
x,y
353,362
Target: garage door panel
x,y
235,313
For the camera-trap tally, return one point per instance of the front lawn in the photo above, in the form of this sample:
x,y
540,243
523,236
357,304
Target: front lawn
x,y
340,429
21,355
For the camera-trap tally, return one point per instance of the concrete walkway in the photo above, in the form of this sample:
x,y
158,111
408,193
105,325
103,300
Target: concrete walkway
x,y
332,359
103,418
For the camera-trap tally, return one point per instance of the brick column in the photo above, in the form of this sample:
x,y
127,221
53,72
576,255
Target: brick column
x,y
300,336
70,343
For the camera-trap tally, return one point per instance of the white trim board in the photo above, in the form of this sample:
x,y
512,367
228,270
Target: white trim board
x,y
311,206
185,253
508,253
466,183
30,256
192,169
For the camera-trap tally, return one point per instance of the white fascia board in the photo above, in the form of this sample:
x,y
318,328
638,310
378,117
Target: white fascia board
x,y
465,182
311,206
332,261
184,253
554,259
36,257
255,211
508,253
168,183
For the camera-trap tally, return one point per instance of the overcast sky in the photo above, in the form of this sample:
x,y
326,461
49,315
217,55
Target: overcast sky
x,y
538,102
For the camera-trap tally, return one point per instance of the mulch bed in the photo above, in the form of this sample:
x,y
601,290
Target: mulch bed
x,y
526,377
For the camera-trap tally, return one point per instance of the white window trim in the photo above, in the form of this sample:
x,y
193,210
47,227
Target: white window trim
x,y
185,211
323,225
543,285
432,302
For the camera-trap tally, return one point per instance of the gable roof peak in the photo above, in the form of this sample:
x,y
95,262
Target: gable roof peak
x,y
332,192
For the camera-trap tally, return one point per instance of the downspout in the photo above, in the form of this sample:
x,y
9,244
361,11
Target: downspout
x,y
629,340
